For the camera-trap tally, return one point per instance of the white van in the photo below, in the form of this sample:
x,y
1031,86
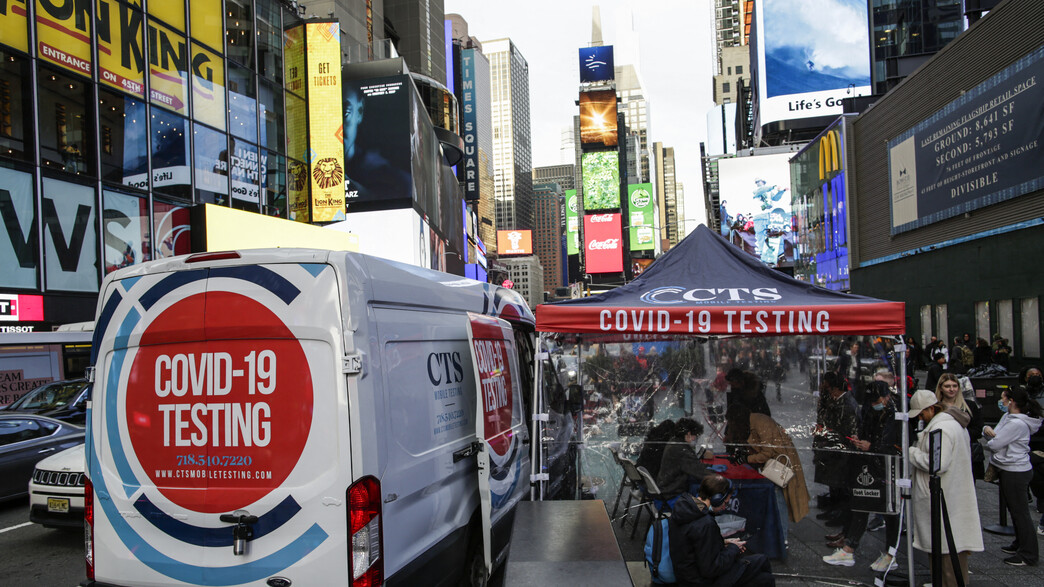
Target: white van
x,y
301,417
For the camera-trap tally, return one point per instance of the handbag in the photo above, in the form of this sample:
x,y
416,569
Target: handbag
x,y
777,471
992,474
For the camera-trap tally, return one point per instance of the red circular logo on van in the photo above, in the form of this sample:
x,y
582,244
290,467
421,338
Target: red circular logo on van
x,y
219,398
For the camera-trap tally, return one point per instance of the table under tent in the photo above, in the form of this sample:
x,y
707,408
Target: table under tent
x,y
612,365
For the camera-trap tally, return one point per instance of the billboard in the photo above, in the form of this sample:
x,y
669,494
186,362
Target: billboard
x,y
63,35
819,208
377,147
322,61
809,60
572,223
476,122
641,208
598,118
603,243
14,30
754,194
601,180
515,242
596,64
980,149
121,55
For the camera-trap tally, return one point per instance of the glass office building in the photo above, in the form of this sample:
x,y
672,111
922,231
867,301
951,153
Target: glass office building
x,y
117,116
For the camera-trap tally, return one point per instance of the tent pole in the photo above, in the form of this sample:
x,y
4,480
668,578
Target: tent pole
x,y
580,417
536,451
906,485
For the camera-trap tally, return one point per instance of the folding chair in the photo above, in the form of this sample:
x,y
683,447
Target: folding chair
x,y
630,480
653,499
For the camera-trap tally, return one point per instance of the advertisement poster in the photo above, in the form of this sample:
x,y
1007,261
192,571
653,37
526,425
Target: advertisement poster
x,y
14,27
173,229
18,252
168,69
324,120
755,206
63,35
809,60
207,23
24,368
70,242
603,243
377,142
296,123
515,242
601,180
980,149
598,118
121,47
572,224
125,221
640,214
208,87
596,64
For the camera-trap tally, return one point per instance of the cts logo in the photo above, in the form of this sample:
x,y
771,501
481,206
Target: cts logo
x,y
445,368
670,295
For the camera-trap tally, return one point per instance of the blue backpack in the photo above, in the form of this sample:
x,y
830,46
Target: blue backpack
x,y
658,553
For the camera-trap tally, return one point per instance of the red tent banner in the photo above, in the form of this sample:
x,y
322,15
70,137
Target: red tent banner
x,y
706,287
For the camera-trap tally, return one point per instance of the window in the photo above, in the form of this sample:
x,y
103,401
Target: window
x,y
244,171
269,41
942,329
172,229
211,165
20,430
982,320
242,103
726,87
272,135
124,148
239,31
1004,320
739,70
70,241
1031,327
19,252
170,154
66,139
208,87
273,184
926,325
16,123
125,221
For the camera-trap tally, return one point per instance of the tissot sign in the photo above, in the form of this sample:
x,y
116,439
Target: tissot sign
x,y
603,243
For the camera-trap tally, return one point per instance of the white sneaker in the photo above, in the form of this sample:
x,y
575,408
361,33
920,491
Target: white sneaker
x,y
840,558
884,563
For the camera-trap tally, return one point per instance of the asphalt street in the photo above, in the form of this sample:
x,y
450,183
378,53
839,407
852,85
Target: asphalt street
x,y
34,555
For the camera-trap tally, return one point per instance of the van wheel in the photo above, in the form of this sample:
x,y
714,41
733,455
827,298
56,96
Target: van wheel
x,y
476,574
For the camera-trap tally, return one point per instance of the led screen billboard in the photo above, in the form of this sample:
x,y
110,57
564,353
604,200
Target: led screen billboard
x,y
377,149
755,205
572,224
515,242
601,180
596,64
323,58
809,60
598,118
641,208
603,243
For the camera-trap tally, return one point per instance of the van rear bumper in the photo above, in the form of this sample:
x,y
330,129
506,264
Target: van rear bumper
x,y
92,583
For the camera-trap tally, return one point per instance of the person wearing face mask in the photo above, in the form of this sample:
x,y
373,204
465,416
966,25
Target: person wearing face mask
x,y
764,439
698,552
878,434
958,486
680,467
1010,445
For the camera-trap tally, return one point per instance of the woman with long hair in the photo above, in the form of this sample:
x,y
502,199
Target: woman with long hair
x,y
1010,445
948,392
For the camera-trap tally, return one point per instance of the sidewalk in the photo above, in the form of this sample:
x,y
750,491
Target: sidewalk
x,y
804,565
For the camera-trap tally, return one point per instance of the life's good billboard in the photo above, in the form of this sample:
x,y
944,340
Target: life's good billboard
x,y
598,118
601,180
603,243
809,60
756,206
640,213
515,242
63,34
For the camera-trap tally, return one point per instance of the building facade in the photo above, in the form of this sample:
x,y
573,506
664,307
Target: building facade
x,y
110,132
667,196
635,109
905,33
512,148
527,276
547,233
420,28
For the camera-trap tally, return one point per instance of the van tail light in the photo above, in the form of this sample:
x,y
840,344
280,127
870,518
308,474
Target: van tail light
x,y
88,526
364,523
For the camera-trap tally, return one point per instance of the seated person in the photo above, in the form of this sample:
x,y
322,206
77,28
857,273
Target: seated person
x,y
652,448
680,466
699,554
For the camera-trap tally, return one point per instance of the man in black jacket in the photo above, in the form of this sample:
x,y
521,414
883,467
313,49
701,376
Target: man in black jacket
x,y
701,557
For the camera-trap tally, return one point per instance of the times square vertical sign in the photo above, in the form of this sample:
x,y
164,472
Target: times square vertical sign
x,y
469,108
981,149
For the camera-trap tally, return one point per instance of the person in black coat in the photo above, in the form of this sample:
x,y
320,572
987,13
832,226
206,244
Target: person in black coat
x,y
680,466
935,370
652,448
701,557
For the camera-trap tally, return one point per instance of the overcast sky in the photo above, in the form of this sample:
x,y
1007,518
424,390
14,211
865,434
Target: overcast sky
x,y
671,42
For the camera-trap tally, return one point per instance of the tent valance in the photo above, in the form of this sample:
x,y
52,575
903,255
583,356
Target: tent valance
x,y
706,287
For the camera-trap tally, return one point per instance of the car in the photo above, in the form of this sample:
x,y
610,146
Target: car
x,y
56,490
64,400
26,439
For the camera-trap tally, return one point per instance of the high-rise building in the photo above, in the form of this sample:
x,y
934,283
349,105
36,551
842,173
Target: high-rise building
x,y
666,195
635,109
679,199
733,70
512,158
905,33
563,175
732,20
528,277
547,232
420,26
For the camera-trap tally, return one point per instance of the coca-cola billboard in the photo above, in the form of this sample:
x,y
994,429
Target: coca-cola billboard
x,y
603,243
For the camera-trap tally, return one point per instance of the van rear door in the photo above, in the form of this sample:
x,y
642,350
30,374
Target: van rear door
x,y
502,460
220,421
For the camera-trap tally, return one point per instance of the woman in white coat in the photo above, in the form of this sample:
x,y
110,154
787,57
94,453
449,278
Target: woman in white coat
x,y
958,485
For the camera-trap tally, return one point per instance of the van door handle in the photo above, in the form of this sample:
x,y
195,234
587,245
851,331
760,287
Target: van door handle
x,y
42,451
470,450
